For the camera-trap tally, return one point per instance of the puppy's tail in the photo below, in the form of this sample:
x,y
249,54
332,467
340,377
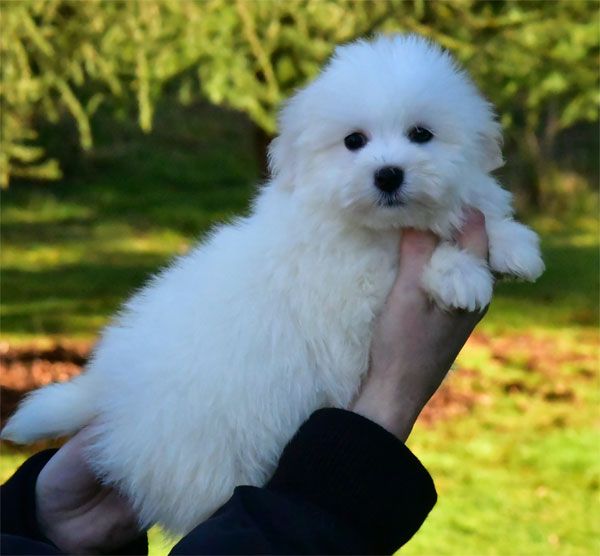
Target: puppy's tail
x,y
57,410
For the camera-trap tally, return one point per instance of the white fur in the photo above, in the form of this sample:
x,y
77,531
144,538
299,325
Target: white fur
x,y
456,278
209,370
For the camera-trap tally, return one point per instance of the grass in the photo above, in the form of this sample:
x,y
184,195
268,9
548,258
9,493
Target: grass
x,y
518,473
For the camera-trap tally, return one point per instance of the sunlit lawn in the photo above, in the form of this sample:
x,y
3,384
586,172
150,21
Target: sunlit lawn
x,y
518,474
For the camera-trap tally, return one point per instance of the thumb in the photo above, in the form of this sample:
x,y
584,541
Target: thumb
x,y
473,237
416,248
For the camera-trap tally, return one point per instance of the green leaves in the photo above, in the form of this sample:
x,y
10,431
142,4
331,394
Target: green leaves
x,y
537,61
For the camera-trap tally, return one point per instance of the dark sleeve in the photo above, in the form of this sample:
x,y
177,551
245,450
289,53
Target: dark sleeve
x,y
18,515
344,485
17,499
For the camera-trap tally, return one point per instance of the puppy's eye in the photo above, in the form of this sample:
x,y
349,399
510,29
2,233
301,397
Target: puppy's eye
x,y
355,141
420,135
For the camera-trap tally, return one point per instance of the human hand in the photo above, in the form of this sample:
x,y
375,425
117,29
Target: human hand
x,y
414,342
75,511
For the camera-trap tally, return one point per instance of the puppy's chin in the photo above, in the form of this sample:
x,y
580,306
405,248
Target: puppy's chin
x,y
387,218
389,214
392,212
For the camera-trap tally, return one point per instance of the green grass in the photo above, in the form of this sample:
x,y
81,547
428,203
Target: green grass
x,y
517,474
9,461
566,296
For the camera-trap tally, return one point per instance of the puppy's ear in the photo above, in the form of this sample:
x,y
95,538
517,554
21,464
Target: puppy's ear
x,y
490,147
282,162
285,150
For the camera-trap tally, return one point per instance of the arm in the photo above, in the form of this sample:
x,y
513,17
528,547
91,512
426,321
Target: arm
x,y
415,342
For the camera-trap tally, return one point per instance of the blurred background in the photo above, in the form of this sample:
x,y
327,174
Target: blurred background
x,y
130,128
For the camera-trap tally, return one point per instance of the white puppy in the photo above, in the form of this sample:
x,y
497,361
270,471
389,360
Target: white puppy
x,y
209,370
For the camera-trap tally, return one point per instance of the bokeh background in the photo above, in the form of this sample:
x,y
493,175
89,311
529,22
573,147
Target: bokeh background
x,y
130,128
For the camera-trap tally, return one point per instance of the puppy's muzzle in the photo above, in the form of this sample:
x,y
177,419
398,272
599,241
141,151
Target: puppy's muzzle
x,y
389,179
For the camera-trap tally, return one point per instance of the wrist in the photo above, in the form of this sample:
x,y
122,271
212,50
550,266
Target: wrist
x,y
388,405
19,493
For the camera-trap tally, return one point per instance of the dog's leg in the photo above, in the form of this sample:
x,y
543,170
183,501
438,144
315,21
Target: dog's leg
x,y
457,279
514,249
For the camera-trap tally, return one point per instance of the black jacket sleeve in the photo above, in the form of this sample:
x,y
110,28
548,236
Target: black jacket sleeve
x,y
18,523
344,485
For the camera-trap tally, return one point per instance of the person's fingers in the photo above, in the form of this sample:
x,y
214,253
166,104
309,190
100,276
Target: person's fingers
x,y
473,236
416,248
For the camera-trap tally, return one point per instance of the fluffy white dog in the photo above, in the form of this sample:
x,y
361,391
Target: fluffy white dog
x,y
210,369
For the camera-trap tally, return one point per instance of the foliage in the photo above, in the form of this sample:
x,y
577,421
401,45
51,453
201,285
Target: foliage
x,y
262,51
506,470
68,56
537,61
522,53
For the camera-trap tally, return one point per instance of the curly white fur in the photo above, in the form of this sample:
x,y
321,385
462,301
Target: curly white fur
x,y
208,371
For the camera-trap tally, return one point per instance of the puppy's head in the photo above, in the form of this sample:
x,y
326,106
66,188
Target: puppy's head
x,y
387,135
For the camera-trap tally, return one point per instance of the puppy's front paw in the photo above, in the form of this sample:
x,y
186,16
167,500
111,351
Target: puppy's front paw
x,y
456,279
514,249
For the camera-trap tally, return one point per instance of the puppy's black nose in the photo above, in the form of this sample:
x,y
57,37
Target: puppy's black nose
x,y
389,178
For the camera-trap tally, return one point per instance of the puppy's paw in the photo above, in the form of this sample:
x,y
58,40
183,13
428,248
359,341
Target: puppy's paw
x,y
514,250
456,279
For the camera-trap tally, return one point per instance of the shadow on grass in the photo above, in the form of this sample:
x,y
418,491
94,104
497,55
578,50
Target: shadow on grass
x,y
566,295
71,299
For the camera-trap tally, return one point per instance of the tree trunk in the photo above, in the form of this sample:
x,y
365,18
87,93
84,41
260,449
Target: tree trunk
x,y
540,155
